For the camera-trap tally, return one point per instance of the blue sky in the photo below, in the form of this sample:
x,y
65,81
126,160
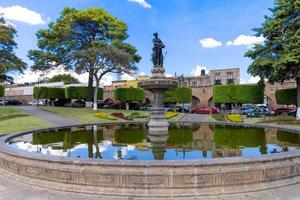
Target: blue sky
x,y
197,33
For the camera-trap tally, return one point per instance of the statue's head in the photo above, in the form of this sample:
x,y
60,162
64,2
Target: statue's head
x,y
155,34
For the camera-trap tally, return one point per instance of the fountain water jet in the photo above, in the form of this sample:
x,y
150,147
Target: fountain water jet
x,y
158,85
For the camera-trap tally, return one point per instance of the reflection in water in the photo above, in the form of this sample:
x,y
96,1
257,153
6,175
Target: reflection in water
x,y
134,142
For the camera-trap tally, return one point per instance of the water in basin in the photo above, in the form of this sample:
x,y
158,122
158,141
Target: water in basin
x,y
134,142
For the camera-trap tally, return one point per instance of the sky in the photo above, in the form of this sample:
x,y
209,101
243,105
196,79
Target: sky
x,y
198,34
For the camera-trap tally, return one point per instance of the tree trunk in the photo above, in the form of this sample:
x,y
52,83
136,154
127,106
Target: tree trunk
x,y
95,107
127,105
298,98
90,89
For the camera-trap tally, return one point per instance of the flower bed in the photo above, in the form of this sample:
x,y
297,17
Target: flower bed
x,y
103,115
234,118
170,115
122,116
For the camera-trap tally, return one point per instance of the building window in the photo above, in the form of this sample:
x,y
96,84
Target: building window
x,y
194,84
185,84
230,77
217,79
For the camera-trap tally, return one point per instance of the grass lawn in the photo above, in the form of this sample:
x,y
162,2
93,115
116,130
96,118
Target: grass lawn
x,y
86,115
13,119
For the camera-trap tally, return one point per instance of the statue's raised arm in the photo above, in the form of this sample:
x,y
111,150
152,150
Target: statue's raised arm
x,y
157,56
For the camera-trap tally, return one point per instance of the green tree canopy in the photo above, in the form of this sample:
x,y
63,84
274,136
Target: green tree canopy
x,y
286,96
66,78
9,62
128,95
89,40
243,93
80,92
1,90
278,58
48,93
178,95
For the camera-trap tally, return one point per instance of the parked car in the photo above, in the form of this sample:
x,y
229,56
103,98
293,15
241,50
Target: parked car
x,y
2,102
284,111
36,103
214,110
13,102
258,112
79,104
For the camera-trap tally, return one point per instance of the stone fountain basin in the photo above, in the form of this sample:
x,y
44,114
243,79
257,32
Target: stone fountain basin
x,y
159,83
159,179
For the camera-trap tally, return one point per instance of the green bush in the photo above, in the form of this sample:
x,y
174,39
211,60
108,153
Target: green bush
x,y
244,93
286,96
183,94
1,90
178,95
48,93
129,94
80,92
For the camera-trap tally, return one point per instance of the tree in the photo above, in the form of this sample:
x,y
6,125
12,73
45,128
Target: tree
x,y
183,94
81,93
1,90
286,96
9,62
278,58
128,95
243,93
66,78
88,40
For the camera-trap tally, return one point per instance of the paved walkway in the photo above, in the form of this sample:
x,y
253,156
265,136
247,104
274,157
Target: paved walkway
x,y
53,119
11,190
194,118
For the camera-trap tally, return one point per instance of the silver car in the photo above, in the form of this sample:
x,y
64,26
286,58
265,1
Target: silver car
x,y
2,102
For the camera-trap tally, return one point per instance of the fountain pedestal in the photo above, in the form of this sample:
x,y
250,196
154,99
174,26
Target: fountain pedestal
x,y
158,85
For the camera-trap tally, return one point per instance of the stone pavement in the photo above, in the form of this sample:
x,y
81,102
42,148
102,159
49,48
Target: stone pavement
x,y
11,190
53,119
189,117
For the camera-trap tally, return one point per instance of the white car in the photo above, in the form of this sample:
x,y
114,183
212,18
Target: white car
x,y
36,103
2,102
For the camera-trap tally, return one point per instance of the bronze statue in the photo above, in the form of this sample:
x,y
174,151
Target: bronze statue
x,y
157,56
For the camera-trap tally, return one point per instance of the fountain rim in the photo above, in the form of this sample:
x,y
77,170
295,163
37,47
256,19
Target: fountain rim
x,y
6,149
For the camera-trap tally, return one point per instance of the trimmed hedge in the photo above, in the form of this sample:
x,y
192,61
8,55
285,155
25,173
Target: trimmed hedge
x,y
244,93
1,90
48,93
178,95
129,94
80,92
286,96
183,94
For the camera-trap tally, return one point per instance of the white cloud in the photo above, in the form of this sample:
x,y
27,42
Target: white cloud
x,y
107,79
22,14
253,79
143,3
197,70
246,40
142,74
29,76
210,43
168,75
127,77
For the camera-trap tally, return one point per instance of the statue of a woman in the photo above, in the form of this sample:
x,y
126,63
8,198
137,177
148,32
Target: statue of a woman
x,y
157,56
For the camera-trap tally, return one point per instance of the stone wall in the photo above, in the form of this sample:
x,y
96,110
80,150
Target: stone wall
x,y
151,178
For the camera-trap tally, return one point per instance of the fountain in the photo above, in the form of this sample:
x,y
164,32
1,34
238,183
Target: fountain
x,y
158,85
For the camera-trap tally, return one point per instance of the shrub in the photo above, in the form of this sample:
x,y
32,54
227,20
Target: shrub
x,y
138,115
103,115
80,92
286,96
121,116
234,118
183,94
1,90
170,115
48,93
243,93
129,94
